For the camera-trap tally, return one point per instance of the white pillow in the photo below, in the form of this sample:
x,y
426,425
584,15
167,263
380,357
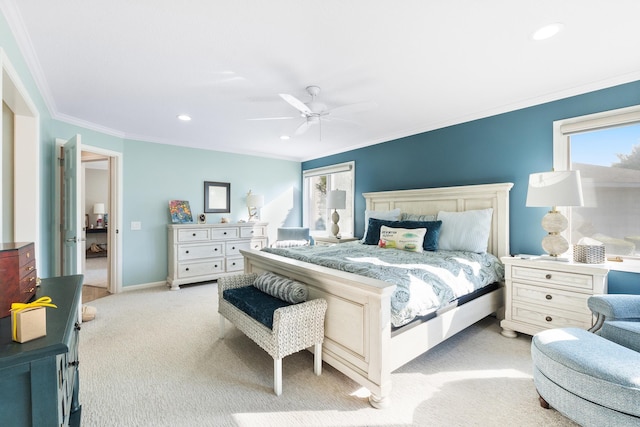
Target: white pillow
x,y
406,239
465,231
392,215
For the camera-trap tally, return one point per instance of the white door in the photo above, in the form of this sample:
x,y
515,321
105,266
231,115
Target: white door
x,y
72,219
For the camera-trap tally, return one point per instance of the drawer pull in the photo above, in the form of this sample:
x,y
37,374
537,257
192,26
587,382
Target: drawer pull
x,y
548,296
194,234
31,268
233,248
187,269
215,250
216,265
31,290
548,319
233,263
548,276
31,279
186,252
225,233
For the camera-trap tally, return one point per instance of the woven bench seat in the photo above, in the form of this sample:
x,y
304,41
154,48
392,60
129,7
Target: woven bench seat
x,y
294,327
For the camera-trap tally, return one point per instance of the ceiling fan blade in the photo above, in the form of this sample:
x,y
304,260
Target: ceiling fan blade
x,y
272,118
354,108
296,103
303,128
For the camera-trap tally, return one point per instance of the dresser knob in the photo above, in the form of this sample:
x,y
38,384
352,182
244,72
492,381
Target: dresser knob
x,y
548,319
31,268
548,276
216,265
225,233
233,248
194,234
548,297
186,252
215,250
187,269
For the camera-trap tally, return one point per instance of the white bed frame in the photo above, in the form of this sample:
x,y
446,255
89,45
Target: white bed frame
x,y
358,339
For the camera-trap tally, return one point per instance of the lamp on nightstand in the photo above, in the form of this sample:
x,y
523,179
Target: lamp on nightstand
x,y
254,203
562,188
336,199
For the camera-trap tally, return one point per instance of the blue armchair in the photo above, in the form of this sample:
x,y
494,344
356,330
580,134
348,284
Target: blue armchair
x,y
593,378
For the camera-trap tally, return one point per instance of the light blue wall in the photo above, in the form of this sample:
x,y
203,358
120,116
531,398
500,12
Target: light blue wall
x,y
503,148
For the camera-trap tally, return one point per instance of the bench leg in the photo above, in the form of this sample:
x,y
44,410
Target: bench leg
x,y
277,376
221,327
317,359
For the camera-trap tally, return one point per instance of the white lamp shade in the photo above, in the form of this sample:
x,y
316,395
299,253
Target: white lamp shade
x,y
255,201
551,189
98,209
337,199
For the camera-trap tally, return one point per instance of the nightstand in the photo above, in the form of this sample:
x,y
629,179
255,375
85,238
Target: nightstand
x,y
543,294
330,240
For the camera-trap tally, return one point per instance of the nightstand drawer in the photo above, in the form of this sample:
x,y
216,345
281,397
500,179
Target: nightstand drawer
x,y
550,298
571,281
200,251
550,318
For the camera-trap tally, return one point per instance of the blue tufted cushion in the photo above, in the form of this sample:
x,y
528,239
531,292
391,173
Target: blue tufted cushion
x,y
430,242
255,303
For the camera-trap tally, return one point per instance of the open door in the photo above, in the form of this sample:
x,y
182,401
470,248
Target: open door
x,y
72,221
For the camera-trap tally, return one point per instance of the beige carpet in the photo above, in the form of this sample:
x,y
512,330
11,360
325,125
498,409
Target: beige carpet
x,y
152,358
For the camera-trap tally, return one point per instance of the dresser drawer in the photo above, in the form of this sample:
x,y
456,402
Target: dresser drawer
x,y
193,269
256,231
193,235
26,255
188,252
561,279
224,233
235,264
28,285
550,298
549,318
234,248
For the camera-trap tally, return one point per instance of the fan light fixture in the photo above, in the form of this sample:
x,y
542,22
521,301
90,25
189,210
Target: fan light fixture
x,y
184,117
547,31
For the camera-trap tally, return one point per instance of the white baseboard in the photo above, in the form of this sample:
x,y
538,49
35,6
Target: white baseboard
x,y
144,286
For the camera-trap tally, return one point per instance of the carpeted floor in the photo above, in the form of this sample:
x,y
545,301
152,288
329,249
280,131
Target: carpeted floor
x,y
152,358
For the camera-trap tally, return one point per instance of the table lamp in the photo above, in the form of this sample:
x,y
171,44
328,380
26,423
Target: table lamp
x,y
98,209
336,199
254,203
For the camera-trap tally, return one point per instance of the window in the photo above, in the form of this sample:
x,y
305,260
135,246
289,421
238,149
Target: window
x,y
317,183
605,148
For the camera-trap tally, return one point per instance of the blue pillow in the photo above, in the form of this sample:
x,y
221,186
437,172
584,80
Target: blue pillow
x,y
430,239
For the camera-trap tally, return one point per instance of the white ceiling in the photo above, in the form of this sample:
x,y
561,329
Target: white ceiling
x,y
129,68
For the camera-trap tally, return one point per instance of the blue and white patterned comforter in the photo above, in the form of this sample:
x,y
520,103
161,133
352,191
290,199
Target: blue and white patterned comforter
x,y
425,281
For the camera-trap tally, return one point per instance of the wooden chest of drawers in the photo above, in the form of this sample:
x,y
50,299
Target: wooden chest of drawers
x,y
17,274
549,294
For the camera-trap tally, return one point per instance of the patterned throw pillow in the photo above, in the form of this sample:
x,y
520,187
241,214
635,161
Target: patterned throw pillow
x,y
406,239
430,239
281,287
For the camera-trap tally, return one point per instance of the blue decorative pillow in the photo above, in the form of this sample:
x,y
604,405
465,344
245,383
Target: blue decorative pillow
x,y
430,239
281,287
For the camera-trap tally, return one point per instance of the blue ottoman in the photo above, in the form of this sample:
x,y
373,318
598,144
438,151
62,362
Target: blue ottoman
x,y
591,380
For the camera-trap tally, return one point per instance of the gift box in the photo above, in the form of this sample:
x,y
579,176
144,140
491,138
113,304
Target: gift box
x,y
29,321
29,324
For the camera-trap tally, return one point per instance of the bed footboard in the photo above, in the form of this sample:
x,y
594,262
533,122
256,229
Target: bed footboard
x,y
357,323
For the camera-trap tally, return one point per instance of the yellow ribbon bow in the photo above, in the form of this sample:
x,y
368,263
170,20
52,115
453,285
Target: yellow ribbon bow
x,y
17,307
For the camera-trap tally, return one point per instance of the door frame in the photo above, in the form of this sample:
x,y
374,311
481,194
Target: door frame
x,y
115,215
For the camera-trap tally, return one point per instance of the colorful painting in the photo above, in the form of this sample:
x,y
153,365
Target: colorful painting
x,y
180,212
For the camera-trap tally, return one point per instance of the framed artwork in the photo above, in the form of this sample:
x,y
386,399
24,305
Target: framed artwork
x,y
180,212
217,197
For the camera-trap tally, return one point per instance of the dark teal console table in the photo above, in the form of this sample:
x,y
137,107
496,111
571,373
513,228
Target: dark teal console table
x,y
39,379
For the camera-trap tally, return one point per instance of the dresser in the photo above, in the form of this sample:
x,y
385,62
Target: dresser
x,y
17,274
204,252
542,294
39,378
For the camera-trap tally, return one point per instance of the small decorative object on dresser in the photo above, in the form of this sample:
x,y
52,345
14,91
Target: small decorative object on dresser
x,y
543,294
202,218
204,252
180,212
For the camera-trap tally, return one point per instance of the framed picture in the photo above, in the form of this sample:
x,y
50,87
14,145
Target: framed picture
x,y
180,212
217,197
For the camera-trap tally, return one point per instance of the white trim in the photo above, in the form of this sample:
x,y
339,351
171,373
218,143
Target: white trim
x,y
144,286
325,170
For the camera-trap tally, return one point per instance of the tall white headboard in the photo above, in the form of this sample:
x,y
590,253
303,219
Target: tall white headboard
x,y
427,201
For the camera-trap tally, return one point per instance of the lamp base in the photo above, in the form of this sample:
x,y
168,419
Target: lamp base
x,y
553,258
335,229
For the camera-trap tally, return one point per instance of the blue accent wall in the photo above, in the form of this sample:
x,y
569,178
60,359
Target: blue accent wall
x,y
501,148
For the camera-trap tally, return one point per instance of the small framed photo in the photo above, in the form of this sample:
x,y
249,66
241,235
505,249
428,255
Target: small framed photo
x,y
217,197
202,218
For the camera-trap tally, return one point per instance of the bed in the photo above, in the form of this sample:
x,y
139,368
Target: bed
x,y
360,340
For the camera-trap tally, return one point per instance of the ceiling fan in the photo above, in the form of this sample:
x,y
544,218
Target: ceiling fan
x,y
315,112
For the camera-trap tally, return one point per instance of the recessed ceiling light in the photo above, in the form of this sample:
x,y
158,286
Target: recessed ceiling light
x,y
184,117
285,137
547,31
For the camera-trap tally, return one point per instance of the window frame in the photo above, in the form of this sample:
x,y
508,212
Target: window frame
x,y
327,170
562,131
